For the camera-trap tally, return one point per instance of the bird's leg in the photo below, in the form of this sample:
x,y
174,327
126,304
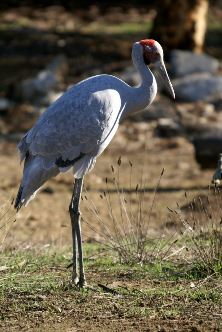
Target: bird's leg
x,y
74,239
76,233
75,278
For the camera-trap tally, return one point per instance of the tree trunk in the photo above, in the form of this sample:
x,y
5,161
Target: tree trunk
x,y
180,24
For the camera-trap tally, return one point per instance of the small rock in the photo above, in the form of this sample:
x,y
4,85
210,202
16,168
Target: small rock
x,y
58,66
32,89
208,110
168,128
198,87
185,63
207,147
197,117
5,104
37,90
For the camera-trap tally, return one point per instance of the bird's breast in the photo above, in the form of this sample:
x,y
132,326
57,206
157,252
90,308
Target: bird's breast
x,y
107,107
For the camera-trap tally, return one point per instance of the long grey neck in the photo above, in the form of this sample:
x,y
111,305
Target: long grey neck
x,y
142,95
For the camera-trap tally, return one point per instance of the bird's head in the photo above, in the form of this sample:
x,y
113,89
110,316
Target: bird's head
x,y
153,54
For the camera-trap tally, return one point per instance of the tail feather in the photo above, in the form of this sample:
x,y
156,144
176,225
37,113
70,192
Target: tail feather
x,y
18,202
34,176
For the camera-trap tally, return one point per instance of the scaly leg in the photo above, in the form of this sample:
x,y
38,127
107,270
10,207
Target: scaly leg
x,y
76,234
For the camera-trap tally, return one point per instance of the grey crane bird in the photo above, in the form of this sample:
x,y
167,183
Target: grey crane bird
x,y
77,128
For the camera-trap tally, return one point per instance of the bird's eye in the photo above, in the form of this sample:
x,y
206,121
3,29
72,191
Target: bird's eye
x,y
148,48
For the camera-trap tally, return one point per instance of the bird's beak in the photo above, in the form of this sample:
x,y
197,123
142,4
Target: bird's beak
x,y
164,75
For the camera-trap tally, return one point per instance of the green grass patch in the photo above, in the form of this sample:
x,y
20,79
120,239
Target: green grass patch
x,y
35,287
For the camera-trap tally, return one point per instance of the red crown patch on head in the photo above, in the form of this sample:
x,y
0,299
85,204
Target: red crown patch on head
x,y
149,42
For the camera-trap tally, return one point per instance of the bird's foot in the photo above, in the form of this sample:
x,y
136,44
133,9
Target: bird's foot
x,y
82,283
79,282
75,280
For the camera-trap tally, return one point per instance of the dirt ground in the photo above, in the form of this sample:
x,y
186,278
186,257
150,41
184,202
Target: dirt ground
x,y
46,220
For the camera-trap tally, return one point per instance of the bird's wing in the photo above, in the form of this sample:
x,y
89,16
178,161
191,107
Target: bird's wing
x,y
74,124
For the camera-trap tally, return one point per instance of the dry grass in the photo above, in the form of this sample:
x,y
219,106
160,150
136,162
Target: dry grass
x,y
197,239
126,230
202,231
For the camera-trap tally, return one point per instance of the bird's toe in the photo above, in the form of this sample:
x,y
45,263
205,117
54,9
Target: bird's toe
x,y
75,280
82,283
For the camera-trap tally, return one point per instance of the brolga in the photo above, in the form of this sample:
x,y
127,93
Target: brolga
x,y
77,128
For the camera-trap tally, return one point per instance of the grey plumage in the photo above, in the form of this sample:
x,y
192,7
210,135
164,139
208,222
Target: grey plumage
x,y
77,128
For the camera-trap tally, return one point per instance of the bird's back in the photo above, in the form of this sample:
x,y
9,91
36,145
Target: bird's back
x,y
80,116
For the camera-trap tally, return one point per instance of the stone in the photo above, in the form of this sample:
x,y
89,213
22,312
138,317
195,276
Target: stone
x,y
208,147
186,62
5,104
31,89
58,66
168,128
38,90
202,86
